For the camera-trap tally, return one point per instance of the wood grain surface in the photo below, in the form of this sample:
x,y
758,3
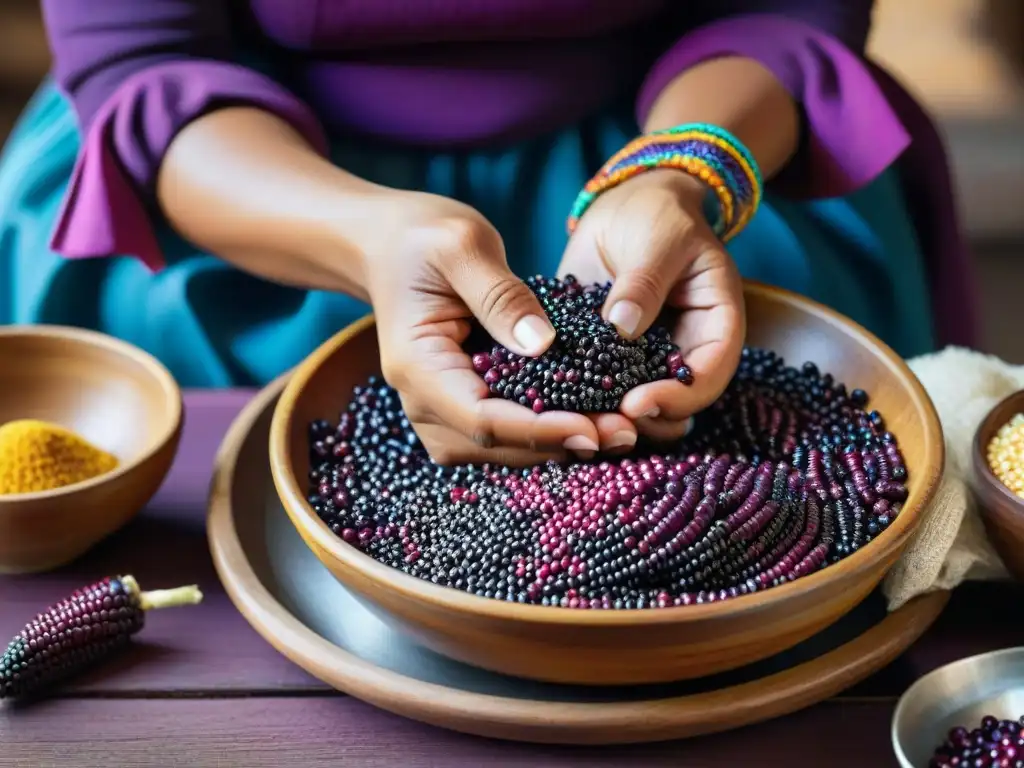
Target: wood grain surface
x,y
203,689
285,732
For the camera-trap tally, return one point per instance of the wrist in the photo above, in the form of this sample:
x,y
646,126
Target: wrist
x,y
389,236
740,95
707,154
684,187
356,232
670,186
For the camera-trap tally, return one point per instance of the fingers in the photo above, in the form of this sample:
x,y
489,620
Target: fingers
x,y
645,275
496,421
448,447
664,430
645,269
477,271
713,364
617,436
421,337
616,433
666,399
438,386
710,332
457,401
639,293
581,259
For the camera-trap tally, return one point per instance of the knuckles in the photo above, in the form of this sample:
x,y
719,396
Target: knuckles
x,y
481,431
443,454
415,411
454,241
503,295
446,243
395,374
399,377
646,285
483,436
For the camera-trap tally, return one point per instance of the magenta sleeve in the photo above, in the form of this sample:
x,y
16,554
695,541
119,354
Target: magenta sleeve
x,y
853,134
136,72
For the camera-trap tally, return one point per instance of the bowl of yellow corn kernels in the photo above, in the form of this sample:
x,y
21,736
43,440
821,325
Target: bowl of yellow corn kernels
x,y
999,479
89,426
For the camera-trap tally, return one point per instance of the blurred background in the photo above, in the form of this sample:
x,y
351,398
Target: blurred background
x,y
964,59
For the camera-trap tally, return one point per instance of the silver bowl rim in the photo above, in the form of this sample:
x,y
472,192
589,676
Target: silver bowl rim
x,y
901,704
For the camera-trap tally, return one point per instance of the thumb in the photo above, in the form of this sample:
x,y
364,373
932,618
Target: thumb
x,y
505,307
644,275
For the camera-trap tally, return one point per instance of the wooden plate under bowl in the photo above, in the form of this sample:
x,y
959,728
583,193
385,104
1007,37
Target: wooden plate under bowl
x,y
295,603
623,647
115,396
1001,509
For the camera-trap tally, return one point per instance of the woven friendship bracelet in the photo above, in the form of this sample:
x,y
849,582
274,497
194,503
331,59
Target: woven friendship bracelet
x,y
707,152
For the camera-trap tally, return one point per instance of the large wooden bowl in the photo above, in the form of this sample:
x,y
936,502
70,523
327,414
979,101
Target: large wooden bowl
x,y
1001,509
115,396
623,647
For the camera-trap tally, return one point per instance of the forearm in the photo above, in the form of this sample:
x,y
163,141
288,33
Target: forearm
x,y
739,95
246,186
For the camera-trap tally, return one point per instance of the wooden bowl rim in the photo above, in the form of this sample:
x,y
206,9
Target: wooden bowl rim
x,y
293,498
153,367
536,720
982,471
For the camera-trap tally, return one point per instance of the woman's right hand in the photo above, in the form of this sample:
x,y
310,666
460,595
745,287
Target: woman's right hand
x,y
436,265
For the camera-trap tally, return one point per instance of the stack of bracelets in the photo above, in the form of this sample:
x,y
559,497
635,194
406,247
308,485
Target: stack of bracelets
x,y
704,151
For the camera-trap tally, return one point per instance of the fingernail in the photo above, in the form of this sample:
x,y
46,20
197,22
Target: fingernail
x,y
625,315
622,439
580,444
533,334
653,413
689,426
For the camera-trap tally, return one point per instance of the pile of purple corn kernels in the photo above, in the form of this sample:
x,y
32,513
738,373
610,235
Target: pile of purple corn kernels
x,y
996,744
785,474
589,366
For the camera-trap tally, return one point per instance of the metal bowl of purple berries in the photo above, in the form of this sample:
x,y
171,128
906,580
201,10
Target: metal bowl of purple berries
x,y
968,713
780,511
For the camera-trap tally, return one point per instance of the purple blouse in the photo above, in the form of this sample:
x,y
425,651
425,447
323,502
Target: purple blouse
x,y
459,73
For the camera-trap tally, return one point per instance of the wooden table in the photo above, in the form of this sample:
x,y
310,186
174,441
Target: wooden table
x,y
202,689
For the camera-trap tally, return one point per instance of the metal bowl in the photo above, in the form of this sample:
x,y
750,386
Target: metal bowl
x,y
958,694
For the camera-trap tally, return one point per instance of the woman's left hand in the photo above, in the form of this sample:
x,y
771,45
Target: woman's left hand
x,y
649,236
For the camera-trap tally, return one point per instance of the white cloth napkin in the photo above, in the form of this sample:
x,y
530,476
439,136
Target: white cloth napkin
x,y
950,546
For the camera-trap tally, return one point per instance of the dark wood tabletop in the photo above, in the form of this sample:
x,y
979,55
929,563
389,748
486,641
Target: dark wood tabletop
x,y
201,688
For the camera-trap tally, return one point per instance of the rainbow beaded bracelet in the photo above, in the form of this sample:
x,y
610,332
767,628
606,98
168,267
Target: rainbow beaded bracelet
x,y
704,151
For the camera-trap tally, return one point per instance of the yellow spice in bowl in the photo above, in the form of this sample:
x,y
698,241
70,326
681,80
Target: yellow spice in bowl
x,y
1006,454
38,456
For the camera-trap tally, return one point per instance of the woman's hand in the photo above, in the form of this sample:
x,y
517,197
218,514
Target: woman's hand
x,y
433,267
650,237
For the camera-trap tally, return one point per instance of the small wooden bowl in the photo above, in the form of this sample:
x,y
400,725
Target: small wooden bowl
x,y
1001,509
115,396
623,647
